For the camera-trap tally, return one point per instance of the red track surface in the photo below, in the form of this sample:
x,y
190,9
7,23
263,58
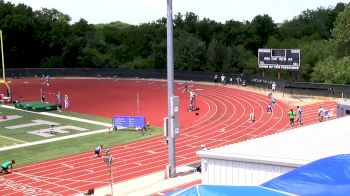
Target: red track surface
x,y
222,120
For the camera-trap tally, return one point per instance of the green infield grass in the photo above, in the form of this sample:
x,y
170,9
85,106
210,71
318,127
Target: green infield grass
x,y
5,141
84,116
27,117
62,148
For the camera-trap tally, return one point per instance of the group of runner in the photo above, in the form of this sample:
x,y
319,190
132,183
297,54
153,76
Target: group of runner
x,y
292,116
298,114
60,106
224,80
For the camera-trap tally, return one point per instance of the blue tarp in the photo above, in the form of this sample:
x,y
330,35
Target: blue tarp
x,y
222,190
328,176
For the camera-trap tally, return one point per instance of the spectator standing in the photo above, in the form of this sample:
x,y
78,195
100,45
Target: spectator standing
x,y
9,94
291,117
238,79
273,87
43,97
47,80
223,79
216,79
299,112
66,101
59,103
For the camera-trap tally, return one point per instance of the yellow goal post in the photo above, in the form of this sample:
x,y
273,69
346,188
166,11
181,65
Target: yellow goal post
x,y
3,77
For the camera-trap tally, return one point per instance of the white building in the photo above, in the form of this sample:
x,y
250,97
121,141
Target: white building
x,y
258,160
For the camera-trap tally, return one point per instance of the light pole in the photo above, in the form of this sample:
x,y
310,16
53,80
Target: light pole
x,y
109,160
170,125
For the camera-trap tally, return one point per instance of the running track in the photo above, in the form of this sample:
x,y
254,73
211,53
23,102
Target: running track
x,y
222,120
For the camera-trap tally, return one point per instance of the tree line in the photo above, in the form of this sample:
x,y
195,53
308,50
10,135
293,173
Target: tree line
x,y
46,38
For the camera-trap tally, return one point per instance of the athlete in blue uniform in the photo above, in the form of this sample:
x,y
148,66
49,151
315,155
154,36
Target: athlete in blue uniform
x,y
98,151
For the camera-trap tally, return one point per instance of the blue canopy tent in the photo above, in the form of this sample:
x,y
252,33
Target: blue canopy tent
x,y
328,176
222,190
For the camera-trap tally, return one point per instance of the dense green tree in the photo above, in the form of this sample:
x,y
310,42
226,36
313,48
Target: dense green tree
x,y
47,38
332,70
189,52
264,27
215,55
341,32
336,68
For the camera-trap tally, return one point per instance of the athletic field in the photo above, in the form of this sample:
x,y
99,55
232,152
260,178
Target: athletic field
x,y
221,120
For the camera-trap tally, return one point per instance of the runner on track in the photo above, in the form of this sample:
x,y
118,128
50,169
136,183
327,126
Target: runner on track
x,y
251,117
269,107
98,151
185,90
291,117
5,167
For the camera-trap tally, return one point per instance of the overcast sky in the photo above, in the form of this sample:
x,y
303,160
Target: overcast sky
x,y
143,11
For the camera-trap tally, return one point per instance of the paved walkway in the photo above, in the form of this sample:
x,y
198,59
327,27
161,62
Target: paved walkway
x,y
58,138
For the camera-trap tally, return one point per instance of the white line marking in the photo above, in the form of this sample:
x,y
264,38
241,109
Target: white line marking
x,y
137,163
152,152
12,139
67,165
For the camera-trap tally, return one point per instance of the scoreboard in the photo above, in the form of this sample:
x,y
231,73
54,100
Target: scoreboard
x,y
129,121
279,58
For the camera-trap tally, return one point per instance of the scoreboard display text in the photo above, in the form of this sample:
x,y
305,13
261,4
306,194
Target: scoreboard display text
x,y
129,121
279,58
